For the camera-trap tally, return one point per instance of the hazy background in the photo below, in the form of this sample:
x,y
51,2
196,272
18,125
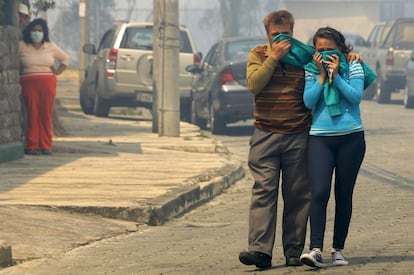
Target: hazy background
x,y
205,20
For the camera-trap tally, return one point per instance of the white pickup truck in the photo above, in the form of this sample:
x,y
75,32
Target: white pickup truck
x,y
387,51
121,71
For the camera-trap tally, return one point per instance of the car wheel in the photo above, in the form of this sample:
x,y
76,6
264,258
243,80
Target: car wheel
x,y
101,106
185,110
202,123
408,100
217,125
85,103
383,91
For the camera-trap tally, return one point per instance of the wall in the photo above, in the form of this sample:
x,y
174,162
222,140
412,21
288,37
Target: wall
x,y
11,145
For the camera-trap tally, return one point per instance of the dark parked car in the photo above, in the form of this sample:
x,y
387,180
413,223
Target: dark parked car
x,y
219,93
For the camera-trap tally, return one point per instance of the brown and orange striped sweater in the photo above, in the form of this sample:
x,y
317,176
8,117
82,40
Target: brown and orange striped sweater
x,y
278,91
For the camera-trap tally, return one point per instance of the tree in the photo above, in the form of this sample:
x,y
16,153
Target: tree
x,y
239,17
100,20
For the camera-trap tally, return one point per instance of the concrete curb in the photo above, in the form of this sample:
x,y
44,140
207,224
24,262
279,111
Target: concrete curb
x,y
174,204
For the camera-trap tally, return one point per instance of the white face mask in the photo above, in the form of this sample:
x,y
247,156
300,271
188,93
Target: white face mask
x,y
37,36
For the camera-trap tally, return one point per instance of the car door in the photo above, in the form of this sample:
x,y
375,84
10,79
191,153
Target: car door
x,y
96,68
134,61
370,55
401,40
204,82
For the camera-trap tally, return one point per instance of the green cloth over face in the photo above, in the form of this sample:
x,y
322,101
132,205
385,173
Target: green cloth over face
x,y
330,92
300,53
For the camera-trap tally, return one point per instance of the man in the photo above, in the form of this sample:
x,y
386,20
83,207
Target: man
x,y
24,15
278,145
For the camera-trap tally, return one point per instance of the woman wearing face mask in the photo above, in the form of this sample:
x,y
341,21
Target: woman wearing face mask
x,y
38,57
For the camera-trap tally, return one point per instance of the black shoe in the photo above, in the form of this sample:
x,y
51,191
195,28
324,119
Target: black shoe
x,y
46,152
258,259
293,261
32,152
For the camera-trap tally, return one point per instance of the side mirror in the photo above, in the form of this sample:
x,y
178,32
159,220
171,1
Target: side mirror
x,y
89,49
194,69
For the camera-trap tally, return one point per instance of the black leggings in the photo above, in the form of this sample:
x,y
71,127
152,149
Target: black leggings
x,y
344,154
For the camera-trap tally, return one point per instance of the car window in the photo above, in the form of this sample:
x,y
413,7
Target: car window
x,y
185,45
211,58
142,38
238,50
404,35
106,40
137,38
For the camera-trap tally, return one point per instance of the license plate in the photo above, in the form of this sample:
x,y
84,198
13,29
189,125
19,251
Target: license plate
x,y
144,97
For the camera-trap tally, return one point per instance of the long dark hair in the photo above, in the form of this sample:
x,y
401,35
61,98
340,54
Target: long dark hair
x,y
26,31
338,37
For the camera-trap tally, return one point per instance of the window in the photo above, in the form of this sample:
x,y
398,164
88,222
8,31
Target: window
x,y
106,40
137,38
239,50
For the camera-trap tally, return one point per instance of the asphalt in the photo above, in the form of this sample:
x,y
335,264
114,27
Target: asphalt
x,y
114,169
113,176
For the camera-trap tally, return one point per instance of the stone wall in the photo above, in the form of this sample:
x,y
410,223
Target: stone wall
x,y
11,145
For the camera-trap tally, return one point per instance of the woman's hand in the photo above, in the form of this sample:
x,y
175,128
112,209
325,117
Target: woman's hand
x,y
332,66
59,70
317,57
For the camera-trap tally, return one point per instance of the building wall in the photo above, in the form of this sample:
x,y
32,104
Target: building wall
x,y
11,145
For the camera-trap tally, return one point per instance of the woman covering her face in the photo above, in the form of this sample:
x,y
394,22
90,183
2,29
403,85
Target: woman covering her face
x,y
333,90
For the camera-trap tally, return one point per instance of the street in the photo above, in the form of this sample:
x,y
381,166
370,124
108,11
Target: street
x,y
208,239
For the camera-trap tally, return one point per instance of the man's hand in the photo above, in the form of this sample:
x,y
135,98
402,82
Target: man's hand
x,y
280,49
354,57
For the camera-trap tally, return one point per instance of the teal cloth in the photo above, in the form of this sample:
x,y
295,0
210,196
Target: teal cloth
x,y
369,75
300,53
330,92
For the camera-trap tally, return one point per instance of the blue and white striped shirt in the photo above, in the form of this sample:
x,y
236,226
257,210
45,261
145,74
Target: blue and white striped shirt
x,y
350,87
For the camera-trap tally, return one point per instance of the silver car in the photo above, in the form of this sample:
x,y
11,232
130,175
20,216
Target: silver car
x,y
121,71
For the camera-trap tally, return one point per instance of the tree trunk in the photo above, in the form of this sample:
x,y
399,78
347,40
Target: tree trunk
x,y
57,126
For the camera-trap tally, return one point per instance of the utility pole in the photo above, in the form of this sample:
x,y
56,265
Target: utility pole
x,y
83,35
165,70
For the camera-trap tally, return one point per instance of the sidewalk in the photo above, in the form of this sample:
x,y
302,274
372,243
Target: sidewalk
x,y
112,169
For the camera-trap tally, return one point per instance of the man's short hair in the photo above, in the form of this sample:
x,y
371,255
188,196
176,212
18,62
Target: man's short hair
x,y
280,17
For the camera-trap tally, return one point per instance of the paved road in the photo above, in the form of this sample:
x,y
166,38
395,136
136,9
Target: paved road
x,y
208,239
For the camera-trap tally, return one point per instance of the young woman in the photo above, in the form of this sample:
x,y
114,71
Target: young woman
x,y
38,81
333,90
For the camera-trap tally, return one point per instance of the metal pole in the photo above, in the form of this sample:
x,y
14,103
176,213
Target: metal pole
x,y
83,36
156,62
169,101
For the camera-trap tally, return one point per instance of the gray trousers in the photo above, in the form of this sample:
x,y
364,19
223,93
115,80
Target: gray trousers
x,y
271,154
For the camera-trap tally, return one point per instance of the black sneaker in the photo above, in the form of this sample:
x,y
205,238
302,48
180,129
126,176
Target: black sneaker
x,y
46,152
258,259
32,152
